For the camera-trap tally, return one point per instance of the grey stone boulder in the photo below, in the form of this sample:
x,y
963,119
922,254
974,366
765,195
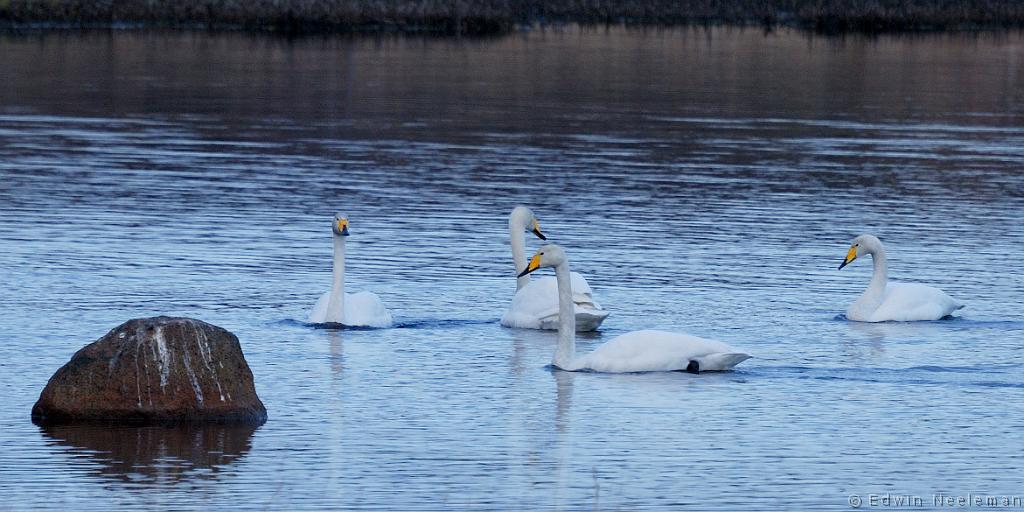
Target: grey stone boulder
x,y
154,370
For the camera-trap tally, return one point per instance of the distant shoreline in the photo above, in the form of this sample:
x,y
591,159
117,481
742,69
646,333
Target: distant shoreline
x,y
481,17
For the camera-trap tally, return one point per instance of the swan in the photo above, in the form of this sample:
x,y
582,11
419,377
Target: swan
x,y
535,304
637,351
362,309
900,302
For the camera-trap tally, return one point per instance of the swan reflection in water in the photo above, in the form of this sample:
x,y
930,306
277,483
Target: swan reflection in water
x,y
154,454
336,353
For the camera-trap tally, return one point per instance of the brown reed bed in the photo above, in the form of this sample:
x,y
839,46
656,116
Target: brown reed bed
x,y
497,16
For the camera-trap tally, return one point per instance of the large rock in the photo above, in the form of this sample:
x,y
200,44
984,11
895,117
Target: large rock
x,y
158,369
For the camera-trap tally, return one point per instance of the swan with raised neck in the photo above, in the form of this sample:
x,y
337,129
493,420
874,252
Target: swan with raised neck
x,y
535,303
884,301
519,221
363,309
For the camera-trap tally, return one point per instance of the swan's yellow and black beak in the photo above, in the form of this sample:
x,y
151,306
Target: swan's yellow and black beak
x,y
850,256
341,227
530,267
536,230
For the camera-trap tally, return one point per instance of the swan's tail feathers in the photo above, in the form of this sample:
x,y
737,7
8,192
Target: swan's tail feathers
x,y
586,320
720,362
589,319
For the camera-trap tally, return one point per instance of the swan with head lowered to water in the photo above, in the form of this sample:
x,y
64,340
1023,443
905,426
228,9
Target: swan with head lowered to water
x,y
535,304
900,302
361,309
637,351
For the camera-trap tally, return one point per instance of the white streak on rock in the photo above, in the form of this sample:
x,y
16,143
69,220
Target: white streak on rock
x,y
192,377
138,377
203,343
164,356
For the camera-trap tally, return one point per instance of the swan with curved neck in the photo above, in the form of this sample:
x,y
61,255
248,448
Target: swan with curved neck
x,y
521,219
637,351
535,304
364,309
884,301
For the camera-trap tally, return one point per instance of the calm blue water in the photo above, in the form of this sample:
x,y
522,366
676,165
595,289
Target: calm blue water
x,y
704,181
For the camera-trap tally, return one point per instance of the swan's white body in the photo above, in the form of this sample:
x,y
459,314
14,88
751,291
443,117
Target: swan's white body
x,y
658,351
883,301
535,304
362,309
637,351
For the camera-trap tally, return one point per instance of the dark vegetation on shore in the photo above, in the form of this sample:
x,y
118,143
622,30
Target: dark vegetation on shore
x,y
497,16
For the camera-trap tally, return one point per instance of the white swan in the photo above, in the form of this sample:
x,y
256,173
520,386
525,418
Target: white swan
x,y
900,302
535,304
363,309
638,351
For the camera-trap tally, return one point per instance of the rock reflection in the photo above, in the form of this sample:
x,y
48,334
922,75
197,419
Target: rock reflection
x,y
156,454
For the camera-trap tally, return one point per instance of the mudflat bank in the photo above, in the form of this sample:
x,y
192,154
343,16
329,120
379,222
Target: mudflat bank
x,y
498,16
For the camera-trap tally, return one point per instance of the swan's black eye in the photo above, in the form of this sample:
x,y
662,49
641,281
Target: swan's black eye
x,y
856,245
542,254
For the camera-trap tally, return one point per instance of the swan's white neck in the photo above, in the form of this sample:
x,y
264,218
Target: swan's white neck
x,y
518,241
879,277
566,351
881,270
337,301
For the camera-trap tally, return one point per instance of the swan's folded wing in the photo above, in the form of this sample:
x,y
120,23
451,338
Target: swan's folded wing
x,y
580,286
318,314
720,361
541,295
908,302
365,309
531,303
656,351
535,306
583,295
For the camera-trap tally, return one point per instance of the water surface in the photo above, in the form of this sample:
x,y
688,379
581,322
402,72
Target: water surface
x,y
704,181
